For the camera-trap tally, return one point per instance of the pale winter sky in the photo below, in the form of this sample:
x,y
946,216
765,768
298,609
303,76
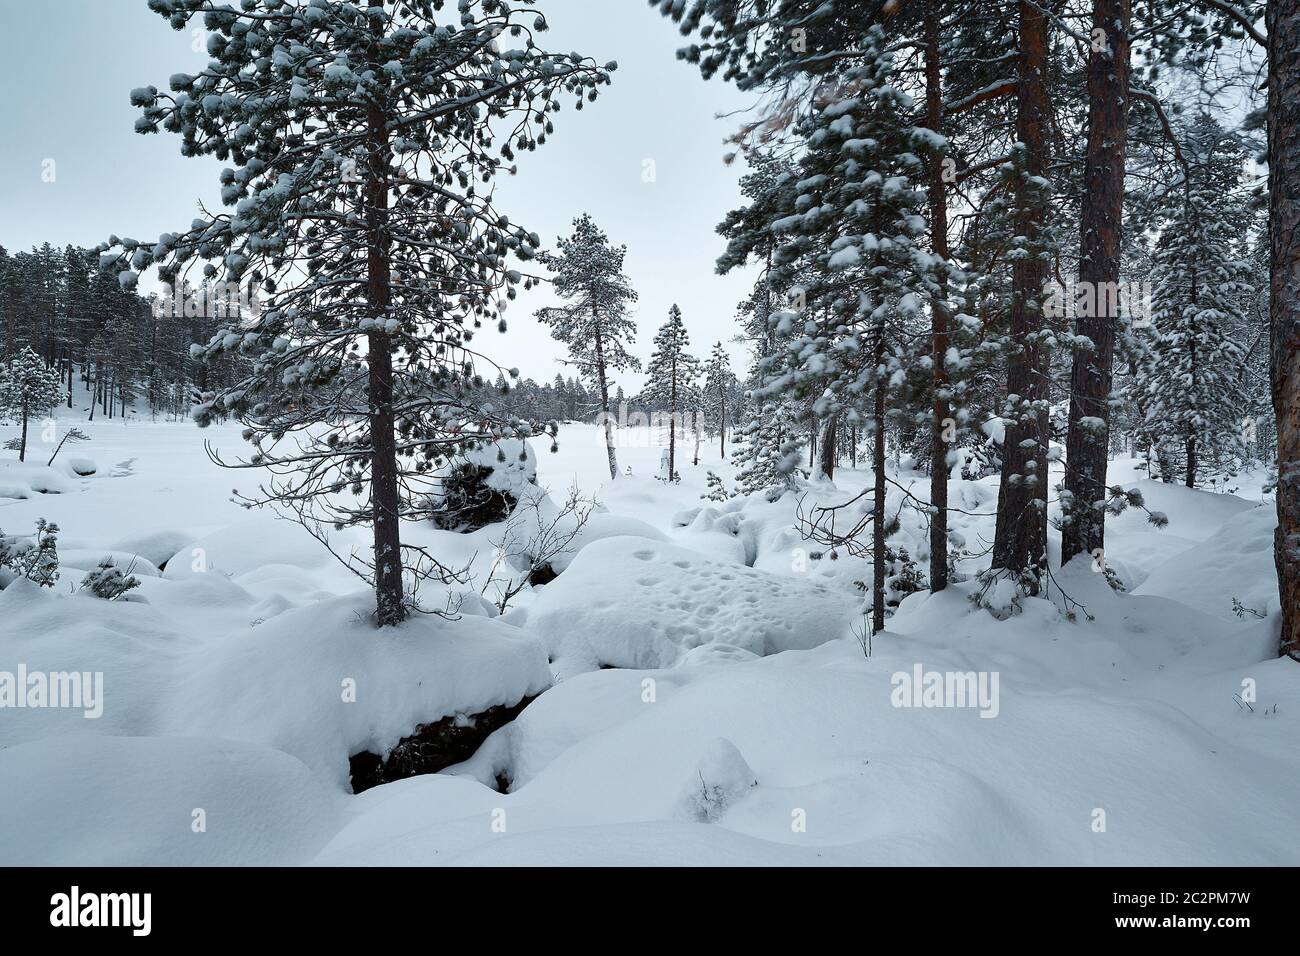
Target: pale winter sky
x,y
66,67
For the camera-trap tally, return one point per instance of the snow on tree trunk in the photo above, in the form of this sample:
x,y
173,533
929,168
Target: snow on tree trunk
x,y
827,458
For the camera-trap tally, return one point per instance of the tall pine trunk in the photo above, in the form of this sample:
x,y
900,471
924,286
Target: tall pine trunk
x,y
22,442
722,426
1087,446
1020,538
384,498
1284,301
938,313
604,405
878,498
672,423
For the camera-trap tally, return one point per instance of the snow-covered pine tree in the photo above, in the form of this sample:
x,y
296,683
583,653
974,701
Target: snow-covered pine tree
x,y
716,490
28,388
363,141
719,394
596,323
1192,390
670,379
769,187
856,226
766,451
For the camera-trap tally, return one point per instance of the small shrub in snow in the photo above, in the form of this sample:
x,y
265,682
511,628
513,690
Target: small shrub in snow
x,y
34,557
721,778
902,577
534,537
1241,610
108,581
74,435
1002,591
717,490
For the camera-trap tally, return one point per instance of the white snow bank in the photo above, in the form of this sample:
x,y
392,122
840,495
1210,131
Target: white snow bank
x,y
629,602
318,682
157,547
87,559
288,683
159,801
22,479
1235,561
844,775
248,546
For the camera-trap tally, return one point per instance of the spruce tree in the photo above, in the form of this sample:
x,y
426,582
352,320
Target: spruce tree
x,y
28,387
1192,391
719,392
670,379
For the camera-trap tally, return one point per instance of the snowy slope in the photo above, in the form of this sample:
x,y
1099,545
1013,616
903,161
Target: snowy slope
x,y
703,698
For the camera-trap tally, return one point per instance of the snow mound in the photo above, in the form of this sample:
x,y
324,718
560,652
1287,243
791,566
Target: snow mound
x,y
629,602
159,547
87,559
241,548
1193,513
322,683
602,526
721,778
319,682
21,479
159,801
1236,561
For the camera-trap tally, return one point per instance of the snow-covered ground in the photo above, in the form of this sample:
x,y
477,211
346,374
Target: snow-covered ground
x,y
704,696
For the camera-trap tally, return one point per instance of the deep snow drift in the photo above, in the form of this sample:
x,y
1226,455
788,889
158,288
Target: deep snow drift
x,y
704,694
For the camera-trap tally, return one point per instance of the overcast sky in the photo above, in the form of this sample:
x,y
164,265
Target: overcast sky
x,y
76,60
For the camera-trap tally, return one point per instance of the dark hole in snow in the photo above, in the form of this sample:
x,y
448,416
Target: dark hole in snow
x,y
432,747
543,575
